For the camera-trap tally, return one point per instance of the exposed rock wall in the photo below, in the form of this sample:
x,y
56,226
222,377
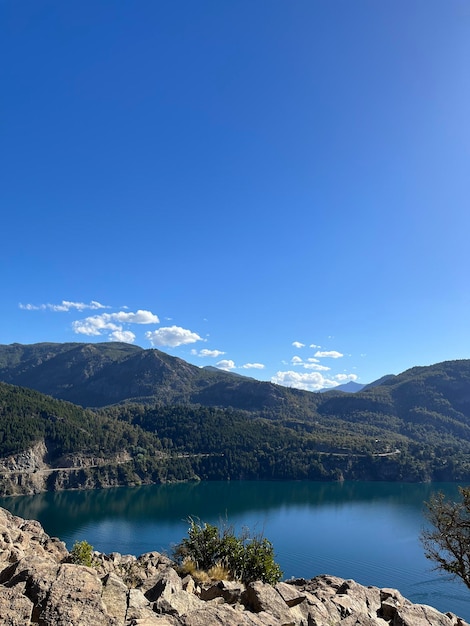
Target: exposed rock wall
x,y
38,585
32,471
30,460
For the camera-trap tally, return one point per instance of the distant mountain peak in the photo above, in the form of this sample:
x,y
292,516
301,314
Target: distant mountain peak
x,y
350,387
212,368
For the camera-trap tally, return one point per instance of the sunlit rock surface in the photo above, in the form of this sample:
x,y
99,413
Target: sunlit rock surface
x,y
39,585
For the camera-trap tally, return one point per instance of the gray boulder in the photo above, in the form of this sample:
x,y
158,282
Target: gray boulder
x,y
115,597
16,609
75,598
230,590
289,594
261,597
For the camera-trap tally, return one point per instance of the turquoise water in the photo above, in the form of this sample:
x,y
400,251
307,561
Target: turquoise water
x,y
365,531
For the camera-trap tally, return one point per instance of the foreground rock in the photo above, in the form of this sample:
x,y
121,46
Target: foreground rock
x,y
39,586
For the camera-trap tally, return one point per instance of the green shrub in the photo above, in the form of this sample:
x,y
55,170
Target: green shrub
x,y
246,558
82,553
259,561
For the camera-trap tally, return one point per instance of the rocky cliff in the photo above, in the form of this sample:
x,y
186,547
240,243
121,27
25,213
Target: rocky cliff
x,y
30,471
39,585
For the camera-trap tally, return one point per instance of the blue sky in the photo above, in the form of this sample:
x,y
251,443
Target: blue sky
x,y
280,188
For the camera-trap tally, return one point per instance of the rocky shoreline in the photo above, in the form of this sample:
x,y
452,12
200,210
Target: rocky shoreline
x,y
39,585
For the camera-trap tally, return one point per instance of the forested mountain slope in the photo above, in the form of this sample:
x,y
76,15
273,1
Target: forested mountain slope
x,y
164,419
100,374
27,416
51,444
421,402
416,427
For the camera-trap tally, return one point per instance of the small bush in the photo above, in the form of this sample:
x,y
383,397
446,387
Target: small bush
x,y
259,562
221,554
82,553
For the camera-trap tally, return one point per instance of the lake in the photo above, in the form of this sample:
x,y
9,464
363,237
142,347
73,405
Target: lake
x,y
365,531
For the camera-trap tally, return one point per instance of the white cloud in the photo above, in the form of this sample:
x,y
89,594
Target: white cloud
x,y
311,381
65,305
344,377
172,336
332,354
226,364
317,367
140,317
207,353
298,344
311,364
79,306
126,336
314,345
94,326
255,366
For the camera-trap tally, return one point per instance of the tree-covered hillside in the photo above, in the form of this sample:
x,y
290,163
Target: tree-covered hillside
x,y
100,374
78,448
416,426
27,416
169,420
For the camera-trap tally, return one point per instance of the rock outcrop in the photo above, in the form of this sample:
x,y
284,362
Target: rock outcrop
x,y
39,585
33,471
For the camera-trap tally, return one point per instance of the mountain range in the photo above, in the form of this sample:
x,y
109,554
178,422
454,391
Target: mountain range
x,y
101,374
144,416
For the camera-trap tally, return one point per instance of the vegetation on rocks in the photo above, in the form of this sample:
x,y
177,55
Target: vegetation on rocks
x,y
82,553
209,548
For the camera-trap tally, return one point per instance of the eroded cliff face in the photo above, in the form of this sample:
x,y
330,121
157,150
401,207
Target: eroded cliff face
x,y
38,469
30,460
39,585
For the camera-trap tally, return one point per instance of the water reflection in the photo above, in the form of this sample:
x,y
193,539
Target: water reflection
x,y
56,510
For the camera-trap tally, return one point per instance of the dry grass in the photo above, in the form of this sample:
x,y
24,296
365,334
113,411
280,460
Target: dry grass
x,y
200,576
216,572
188,566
